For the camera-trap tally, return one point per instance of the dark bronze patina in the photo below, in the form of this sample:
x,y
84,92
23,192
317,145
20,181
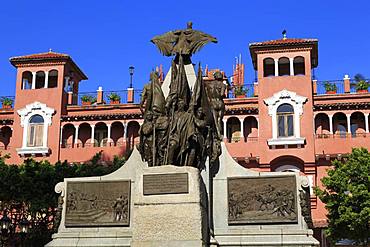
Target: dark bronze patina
x,y
98,203
262,200
185,128
171,183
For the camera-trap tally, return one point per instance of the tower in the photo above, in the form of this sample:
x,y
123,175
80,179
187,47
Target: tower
x,y
42,83
285,99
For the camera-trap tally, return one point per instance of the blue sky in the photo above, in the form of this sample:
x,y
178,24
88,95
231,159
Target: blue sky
x,y
105,37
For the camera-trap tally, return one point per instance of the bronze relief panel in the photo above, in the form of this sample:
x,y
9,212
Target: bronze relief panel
x,y
98,203
262,200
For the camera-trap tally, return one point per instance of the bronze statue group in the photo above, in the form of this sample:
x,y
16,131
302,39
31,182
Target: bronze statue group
x,y
184,128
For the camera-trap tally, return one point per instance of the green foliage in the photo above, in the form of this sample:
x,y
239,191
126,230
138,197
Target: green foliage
x,y
88,98
347,198
6,101
330,87
114,97
29,188
240,90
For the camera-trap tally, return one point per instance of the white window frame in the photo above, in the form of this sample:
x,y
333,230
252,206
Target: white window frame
x,y
297,101
26,113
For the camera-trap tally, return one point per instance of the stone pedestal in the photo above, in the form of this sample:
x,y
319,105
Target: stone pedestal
x,y
169,208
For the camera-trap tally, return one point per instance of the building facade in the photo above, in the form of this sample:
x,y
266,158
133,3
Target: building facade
x,y
284,121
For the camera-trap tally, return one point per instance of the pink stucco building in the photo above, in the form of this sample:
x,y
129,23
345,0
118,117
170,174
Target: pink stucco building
x,y
283,121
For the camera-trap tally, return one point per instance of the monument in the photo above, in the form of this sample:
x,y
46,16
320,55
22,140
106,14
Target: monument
x,y
180,187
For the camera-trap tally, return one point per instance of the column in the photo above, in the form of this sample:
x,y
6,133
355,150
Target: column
x,y
366,122
348,123
291,62
76,135
109,132
225,128
241,129
61,135
276,67
124,131
92,134
33,80
46,84
331,124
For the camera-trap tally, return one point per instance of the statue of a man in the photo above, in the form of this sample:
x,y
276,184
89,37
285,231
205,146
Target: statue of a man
x,y
182,129
152,97
216,92
197,141
146,138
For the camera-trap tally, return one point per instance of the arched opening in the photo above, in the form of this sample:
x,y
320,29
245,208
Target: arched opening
x,y
40,79
132,134
118,132
340,124
68,136
53,79
287,164
357,124
250,129
268,67
322,125
285,116
26,80
35,131
84,134
233,129
299,66
284,66
5,135
100,135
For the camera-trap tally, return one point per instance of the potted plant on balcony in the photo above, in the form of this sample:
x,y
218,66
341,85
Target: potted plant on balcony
x,y
330,88
6,102
87,99
361,84
114,98
240,91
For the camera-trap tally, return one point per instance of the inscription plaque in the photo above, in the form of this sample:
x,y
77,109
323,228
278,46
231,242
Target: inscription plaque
x,y
171,183
98,203
262,200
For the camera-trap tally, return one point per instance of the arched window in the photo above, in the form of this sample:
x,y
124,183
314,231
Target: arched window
x,y
53,79
299,67
285,114
284,66
40,79
35,131
26,80
268,67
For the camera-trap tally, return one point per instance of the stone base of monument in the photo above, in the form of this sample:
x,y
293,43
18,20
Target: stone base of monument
x,y
88,217
251,208
170,208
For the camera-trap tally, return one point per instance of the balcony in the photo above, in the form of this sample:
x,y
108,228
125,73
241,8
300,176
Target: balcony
x,y
102,97
244,91
340,143
331,87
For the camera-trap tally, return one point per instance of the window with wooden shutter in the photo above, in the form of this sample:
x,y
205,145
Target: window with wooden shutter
x,y
35,131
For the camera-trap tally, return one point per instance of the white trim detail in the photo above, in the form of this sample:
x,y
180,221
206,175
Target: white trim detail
x,y
297,101
36,108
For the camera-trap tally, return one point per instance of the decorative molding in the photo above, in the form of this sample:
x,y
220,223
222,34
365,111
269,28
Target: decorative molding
x,y
36,108
283,97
